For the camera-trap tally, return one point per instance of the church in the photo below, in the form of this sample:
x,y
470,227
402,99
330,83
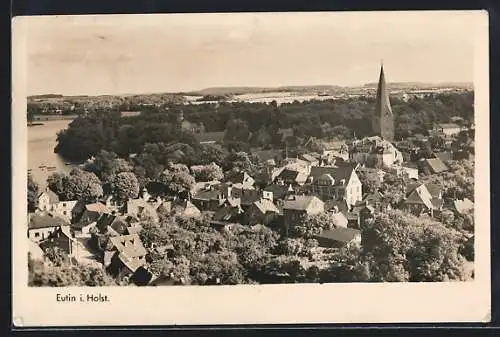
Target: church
x,y
378,150
383,120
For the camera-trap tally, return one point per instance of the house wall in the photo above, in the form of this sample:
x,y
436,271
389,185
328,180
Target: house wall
x,y
64,208
44,202
450,131
39,234
353,191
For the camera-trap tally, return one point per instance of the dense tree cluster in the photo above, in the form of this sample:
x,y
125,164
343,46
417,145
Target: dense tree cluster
x,y
33,192
77,185
254,124
66,274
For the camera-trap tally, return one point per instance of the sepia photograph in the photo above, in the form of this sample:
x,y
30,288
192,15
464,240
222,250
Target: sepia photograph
x,y
197,153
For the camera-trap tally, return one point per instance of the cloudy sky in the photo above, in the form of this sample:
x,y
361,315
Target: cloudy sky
x,y
180,52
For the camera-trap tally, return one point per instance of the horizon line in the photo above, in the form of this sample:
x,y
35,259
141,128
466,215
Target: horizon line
x,y
451,83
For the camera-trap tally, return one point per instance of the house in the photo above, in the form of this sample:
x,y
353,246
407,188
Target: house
x,y
311,160
432,166
140,208
186,208
375,152
353,220
228,213
263,212
82,229
339,237
291,177
241,180
117,223
338,219
64,208
126,256
463,206
47,199
424,199
62,239
448,129
41,225
35,252
208,196
92,212
277,191
336,183
295,207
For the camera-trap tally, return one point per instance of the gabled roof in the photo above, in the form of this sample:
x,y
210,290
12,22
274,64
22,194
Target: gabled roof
x,y
45,220
462,206
434,189
339,234
53,198
265,206
129,245
300,202
338,173
97,207
436,165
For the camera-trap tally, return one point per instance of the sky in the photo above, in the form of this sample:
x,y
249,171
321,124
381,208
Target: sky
x,y
127,54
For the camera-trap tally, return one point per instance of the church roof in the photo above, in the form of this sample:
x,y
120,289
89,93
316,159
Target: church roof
x,y
383,123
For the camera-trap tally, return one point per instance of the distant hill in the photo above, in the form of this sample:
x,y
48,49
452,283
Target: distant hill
x,y
220,91
418,85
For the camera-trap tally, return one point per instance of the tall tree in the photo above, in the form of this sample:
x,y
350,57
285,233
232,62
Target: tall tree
x,y
125,185
33,191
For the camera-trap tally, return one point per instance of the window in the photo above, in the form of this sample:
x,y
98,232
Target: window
x,y
64,212
64,204
37,234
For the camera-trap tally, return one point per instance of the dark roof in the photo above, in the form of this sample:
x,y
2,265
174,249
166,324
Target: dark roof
x,y
288,175
338,173
339,234
46,220
279,191
247,197
239,177
436,165
434,189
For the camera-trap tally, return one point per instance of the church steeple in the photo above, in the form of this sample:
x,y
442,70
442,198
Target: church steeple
x,y
383,120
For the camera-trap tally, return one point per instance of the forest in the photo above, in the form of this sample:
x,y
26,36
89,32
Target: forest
x,y
253,124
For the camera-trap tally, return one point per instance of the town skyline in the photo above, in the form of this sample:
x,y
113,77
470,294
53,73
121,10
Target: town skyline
x,y
169,53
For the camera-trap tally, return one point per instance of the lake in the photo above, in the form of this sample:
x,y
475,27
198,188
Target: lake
x,y
42,140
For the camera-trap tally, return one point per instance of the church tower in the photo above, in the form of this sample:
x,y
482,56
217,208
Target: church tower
x,y
383,120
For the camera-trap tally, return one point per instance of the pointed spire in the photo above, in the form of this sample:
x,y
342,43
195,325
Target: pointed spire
x,y
383,121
